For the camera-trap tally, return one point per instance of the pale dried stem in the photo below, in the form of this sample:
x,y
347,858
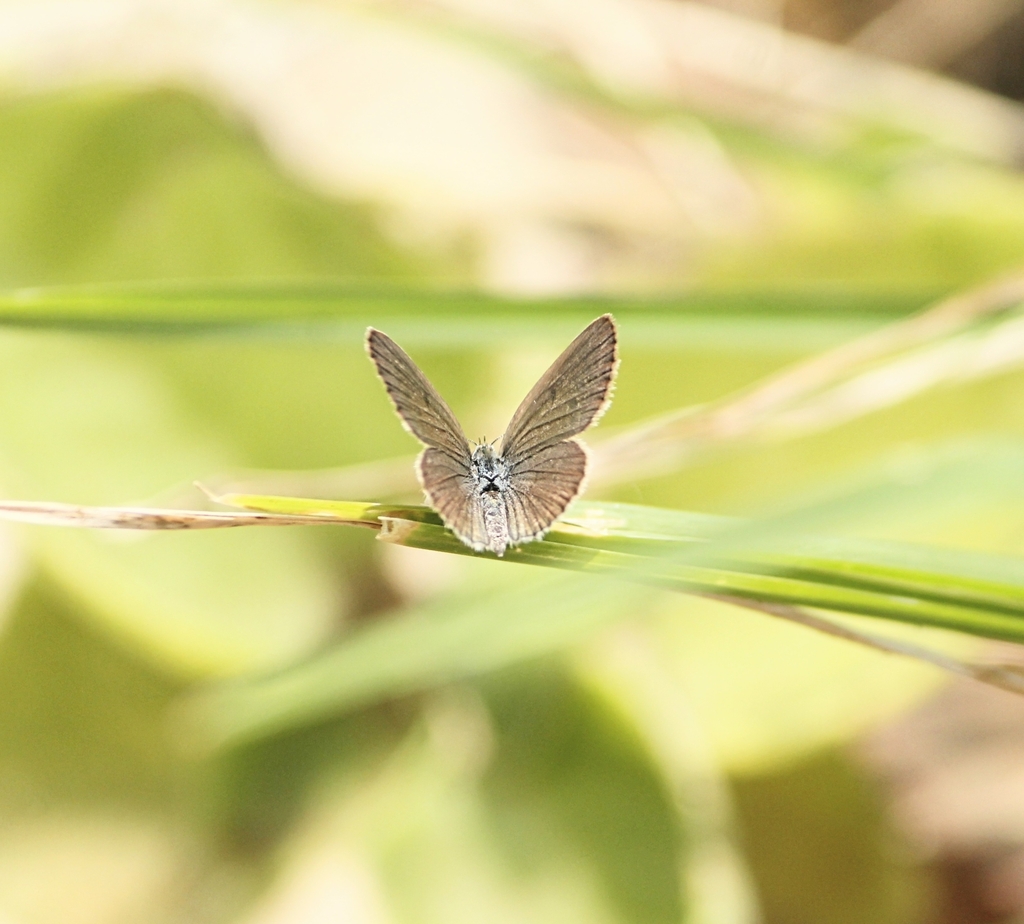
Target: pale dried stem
x,y
43,513
1005,675
664,444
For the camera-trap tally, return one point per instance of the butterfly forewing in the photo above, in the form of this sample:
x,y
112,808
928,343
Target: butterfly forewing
x,y
421,408
444,466
569,397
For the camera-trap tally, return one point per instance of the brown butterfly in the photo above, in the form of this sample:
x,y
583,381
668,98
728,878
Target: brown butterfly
x,y
496,499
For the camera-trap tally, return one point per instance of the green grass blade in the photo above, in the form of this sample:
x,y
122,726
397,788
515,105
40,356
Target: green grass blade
x,y
343,310
696,553
459,637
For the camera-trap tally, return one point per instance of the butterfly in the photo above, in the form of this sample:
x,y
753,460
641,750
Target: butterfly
x,y
493,499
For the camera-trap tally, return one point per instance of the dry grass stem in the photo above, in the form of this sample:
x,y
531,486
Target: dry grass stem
x,y
667,443
1004,674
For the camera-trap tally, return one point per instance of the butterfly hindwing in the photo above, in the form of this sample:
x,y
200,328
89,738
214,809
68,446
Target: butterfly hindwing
x,y
449,489
541,487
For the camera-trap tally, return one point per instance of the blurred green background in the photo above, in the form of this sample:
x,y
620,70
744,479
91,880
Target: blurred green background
x,y
687,761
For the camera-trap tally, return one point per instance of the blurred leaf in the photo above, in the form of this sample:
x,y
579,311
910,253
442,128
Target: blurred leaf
x,y
569,771
81,718
108,185
979,594
982,594
764,692
526,801
461,636
634,673
86,420
253,796
823,821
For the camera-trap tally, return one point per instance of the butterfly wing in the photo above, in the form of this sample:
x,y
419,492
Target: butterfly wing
x,y
443,467
449,488
569,397
423,411
546,466
542,487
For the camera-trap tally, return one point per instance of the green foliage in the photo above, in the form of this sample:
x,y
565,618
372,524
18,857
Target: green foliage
x,y
112,186
447,725
566,773
461,638
841,839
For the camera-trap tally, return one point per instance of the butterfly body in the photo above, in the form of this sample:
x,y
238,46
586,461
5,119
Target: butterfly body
x,y
490,485
494,499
